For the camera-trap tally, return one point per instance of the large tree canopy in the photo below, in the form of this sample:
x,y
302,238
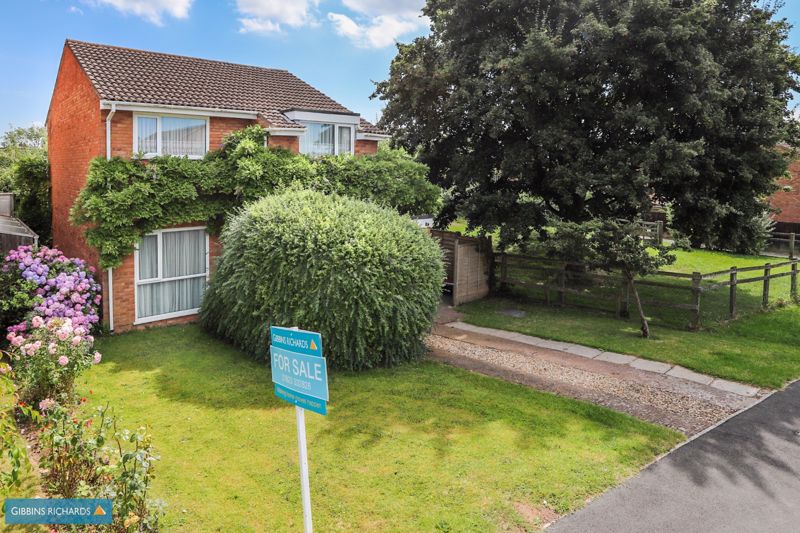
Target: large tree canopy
x,y
581,109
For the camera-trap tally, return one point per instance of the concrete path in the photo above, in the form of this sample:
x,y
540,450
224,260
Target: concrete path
x,y
743,475
659,393
616,358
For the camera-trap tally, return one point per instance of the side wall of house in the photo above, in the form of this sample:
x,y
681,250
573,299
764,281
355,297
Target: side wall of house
x,y
75,135
788,202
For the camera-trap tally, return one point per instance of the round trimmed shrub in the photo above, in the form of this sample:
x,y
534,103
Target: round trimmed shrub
x,y
365,277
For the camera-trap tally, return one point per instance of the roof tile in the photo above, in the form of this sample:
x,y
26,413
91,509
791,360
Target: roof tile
x,y
129,75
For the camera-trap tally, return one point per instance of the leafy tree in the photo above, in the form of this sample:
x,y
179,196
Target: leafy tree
x,y
581,109
18,143
24,170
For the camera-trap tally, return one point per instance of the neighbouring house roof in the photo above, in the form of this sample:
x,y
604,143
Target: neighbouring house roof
x,y
139,76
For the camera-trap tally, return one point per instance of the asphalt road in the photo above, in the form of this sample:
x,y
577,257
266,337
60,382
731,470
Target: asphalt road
x,y
743,475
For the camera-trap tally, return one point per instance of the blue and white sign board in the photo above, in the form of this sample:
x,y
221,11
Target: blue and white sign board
x,y
299,370
300,375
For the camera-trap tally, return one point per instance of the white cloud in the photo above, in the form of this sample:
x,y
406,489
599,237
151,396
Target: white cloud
x,y
380,23
75,10
151,10
378,32
269,16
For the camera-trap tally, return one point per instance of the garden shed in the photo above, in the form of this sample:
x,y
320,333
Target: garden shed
x,y
13,231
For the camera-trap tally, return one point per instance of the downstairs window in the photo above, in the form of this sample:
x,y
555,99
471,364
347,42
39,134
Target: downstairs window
x,y
171,273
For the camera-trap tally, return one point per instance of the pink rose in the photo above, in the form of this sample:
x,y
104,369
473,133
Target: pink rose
x,y
63,360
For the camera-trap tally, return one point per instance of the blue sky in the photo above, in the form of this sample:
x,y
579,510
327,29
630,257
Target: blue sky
x,y
339,46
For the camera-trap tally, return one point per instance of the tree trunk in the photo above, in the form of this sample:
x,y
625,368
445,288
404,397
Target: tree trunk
x,y
635,292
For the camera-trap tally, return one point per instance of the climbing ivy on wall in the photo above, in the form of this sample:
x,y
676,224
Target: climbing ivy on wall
x,y
126,199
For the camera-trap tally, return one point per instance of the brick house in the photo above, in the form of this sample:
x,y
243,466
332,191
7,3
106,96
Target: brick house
x,y
111,101
787,201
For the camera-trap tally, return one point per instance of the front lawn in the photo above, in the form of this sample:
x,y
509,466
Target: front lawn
x,y
424,447
761,348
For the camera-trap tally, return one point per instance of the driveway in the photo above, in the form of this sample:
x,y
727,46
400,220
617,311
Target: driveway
x,y
743,475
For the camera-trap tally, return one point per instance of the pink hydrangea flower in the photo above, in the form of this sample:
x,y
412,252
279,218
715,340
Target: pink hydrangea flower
x,y
46,404
76,340
97,358
37,321
52,348
63,360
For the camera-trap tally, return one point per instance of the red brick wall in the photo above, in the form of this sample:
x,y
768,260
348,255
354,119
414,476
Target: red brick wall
x,y
76,135
788,201
290,143
220,127
366,147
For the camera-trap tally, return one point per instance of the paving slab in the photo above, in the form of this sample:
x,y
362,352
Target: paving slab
x,y
743,475
685,373
617,358
736,388
583,351
650,366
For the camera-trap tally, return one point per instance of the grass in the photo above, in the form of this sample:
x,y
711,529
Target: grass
x,y
424,447
761,348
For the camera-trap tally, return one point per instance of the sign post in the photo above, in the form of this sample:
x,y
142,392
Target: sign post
x,y
300,375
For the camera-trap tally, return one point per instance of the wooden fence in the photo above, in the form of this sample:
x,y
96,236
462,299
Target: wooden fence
x,y
565,283
783,243
468,265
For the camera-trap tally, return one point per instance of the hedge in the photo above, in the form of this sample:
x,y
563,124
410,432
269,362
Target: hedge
x,y
365,277
125,199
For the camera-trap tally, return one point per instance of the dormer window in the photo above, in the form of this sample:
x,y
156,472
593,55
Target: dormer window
x,y
155,135
326,139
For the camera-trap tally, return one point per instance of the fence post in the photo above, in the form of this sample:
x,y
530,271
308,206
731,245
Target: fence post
x,y
503,271
732,307
765,295
697,277
623,300
562,282
660,232
792,242
456,261
793,284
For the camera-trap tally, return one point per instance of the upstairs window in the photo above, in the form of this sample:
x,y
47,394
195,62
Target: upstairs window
x,y
170,135
326,139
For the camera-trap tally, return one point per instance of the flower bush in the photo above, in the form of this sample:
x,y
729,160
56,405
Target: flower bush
x,y
88,457
55,285
49,355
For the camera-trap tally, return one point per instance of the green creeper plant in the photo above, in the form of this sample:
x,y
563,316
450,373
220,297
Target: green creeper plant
x,y
125,199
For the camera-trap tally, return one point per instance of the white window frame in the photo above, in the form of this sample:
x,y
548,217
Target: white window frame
x,y
159,278
159,149
336,126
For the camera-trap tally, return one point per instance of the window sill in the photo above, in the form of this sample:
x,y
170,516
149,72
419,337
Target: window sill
x,y
158,318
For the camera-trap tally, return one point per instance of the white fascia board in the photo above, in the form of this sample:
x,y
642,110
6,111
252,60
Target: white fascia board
x,y
178,110
363,136
316,116
286,132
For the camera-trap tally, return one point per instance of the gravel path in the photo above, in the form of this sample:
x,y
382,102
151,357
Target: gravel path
x,y
676,403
